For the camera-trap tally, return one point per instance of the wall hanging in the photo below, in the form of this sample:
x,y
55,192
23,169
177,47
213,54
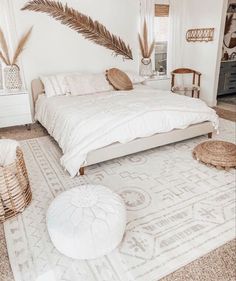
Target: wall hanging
x,y
200,35
91,30
12,77
229,33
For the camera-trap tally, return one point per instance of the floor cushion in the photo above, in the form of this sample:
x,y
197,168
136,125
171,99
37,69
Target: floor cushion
x,y
220,154
86,222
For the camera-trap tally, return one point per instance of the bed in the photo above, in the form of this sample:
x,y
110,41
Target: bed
x,y
99,127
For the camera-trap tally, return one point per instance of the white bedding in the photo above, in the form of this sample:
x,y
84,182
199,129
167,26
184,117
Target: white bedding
x,y
81,124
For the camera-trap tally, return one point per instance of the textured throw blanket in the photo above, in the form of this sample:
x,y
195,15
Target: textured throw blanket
x,y
7,151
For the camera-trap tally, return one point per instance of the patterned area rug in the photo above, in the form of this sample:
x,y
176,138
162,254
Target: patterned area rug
x,y
178,210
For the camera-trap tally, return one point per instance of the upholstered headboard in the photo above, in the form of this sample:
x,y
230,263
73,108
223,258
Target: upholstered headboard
x,y
37,89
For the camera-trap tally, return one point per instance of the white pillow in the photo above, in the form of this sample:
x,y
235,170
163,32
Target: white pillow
x,y
83,84
135,77
54,85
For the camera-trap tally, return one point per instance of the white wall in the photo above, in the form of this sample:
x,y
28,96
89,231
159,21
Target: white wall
x,y
202,56
55,48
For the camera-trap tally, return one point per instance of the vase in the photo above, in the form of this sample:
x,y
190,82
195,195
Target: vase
x,y
146,67
12,77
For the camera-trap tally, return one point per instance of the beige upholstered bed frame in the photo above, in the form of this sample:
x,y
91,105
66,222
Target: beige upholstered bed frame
x,y
117,149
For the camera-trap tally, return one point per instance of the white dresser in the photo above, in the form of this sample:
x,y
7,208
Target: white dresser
x,y
14,108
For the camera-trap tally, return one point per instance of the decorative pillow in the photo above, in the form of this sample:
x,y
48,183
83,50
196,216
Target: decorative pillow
x,y
56,85
135,77
119,79
84,84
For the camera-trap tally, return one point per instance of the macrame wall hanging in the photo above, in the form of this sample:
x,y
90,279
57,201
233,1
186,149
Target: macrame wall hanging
x,y
91,30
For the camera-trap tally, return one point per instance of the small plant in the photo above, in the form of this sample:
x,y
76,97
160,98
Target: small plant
x,y
4,50
146,50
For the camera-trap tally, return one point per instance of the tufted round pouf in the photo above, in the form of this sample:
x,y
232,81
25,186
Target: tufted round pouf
x,y
86,222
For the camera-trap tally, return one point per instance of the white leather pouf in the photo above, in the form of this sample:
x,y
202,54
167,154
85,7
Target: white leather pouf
x,y
86,222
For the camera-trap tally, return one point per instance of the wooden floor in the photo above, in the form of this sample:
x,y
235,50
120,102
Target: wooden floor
x,y
226,111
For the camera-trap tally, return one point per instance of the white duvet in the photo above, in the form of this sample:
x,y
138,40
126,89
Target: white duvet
x,y
81,124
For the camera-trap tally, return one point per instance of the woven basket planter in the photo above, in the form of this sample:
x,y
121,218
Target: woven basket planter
x,y
220,154
15,192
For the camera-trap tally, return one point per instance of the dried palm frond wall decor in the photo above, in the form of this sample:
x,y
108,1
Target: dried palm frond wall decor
x,y
91,30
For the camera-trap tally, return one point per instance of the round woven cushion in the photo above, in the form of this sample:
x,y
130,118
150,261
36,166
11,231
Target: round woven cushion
x,y
86,222
119,79
220,154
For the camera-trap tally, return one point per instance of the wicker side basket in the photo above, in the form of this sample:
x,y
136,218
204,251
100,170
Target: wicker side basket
x,y
15,192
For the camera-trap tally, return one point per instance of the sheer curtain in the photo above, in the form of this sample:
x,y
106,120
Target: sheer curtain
x,y
175,50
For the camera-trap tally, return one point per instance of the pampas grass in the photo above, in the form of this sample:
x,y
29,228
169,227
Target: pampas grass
x,y
4,50
4,54
146,50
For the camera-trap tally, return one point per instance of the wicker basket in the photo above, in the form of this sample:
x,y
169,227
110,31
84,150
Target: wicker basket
x,y
15,192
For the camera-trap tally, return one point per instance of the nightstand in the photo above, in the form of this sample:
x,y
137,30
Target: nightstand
x,y
159,82
14,108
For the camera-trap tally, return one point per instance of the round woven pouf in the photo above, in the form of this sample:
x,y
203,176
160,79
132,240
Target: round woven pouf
x,y
86,222
220,154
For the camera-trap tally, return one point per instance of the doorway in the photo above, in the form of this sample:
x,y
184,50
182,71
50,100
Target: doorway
x,y
226,92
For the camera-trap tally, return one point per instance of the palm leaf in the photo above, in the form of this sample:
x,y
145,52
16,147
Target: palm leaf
x,y
91,30
4,47
151,49
20,46
141,46
2,57
145,38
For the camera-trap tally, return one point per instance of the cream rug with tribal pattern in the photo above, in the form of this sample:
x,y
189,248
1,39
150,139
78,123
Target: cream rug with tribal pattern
x,y
178,210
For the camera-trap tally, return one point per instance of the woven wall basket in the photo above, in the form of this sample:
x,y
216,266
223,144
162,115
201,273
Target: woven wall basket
x,y
15,192
220,154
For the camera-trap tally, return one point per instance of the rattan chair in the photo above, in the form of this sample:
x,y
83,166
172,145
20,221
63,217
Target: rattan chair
x,y
15,192
194,88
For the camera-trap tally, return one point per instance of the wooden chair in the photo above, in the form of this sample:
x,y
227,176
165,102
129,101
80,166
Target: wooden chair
x,y
194,87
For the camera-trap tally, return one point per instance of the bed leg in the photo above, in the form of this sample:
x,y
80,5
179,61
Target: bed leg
x,y
209,135
81,171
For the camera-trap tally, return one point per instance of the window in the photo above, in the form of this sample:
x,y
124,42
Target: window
x,y
161,33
